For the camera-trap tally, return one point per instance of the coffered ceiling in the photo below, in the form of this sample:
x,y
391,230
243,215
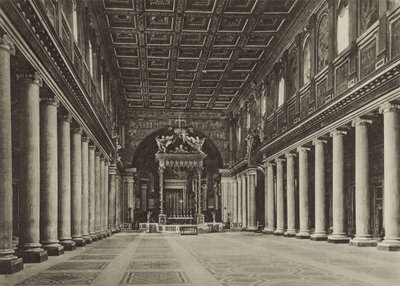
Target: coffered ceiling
x,y
191,54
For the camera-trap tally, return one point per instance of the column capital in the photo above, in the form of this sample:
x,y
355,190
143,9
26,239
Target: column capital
x,y
389,106
106,162
34,78
92,147
77,130
102,159
97,151
66,117
303,149
319,141
225,172
85,138
7,45
280,160
290,155
161,169
50,100
130,172
269,164
360,121
338,132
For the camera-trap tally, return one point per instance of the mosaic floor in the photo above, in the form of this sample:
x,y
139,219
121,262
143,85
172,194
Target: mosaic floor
x,y
233,258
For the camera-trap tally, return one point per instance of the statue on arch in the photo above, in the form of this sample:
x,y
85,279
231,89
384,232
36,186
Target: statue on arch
x,y
163,142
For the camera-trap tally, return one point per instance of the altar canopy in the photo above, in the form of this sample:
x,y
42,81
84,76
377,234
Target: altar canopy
x,y
181,197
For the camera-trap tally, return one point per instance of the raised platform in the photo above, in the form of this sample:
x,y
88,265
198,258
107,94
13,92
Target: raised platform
x,y
176,228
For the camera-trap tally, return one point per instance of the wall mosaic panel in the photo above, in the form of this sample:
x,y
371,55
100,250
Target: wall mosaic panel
x,y
367,59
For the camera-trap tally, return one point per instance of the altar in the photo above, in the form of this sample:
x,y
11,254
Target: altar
x,y
182,190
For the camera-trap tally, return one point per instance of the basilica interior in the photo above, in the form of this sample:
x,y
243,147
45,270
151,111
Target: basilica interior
x,y
252,121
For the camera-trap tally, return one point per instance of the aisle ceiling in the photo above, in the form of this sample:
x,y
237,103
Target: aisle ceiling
x,y
191,54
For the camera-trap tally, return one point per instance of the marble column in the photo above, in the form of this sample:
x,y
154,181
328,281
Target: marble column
x,y
97,223
48,177
239,201
85,189
101,196
106,197
234,200
280,208
244,201
224,190
162,218
319,183
64,181
362,188
112,170
338,206
290,197
391,202
117,201
270,198
9,263
92,191
76,186
129,178
304,229
29,221
252,177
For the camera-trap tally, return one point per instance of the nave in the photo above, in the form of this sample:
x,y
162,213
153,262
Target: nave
x,y
212,259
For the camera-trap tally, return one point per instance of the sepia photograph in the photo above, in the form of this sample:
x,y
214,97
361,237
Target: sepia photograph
x,y
200,142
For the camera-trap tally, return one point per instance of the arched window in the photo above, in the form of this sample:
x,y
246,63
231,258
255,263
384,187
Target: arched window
x,y
239,134
281,92
342,35
306,61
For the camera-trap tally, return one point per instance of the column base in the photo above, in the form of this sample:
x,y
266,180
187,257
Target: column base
x,y
109,232
54,250
389,245
200,218
88,239
251,228
99,235
303,234
338,238
94,237
69,245
279,231
290,233
319,237
11,265
36,255
363,242
114,230
268,230
79,241
104,234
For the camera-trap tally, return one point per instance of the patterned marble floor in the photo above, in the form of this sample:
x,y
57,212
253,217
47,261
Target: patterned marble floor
x,y
233,258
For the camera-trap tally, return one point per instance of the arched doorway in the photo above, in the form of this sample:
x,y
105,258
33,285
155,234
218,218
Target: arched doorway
x,y
186,189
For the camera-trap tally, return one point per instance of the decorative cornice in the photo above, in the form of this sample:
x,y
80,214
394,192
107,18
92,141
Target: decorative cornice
x,y
7,45
34,78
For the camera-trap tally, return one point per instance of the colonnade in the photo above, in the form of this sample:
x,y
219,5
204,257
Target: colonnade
x,y
238,199
65,197
280,224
